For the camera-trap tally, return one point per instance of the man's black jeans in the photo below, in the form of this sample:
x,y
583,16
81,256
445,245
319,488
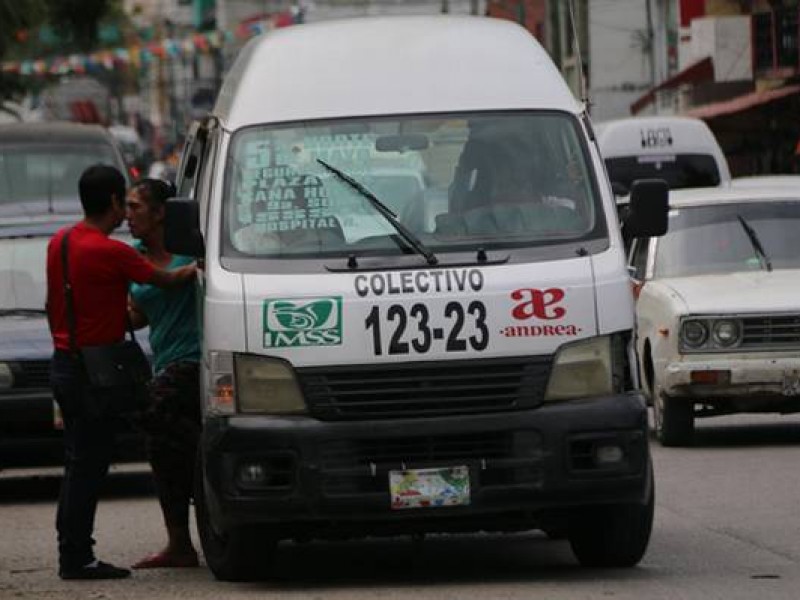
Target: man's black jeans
x,y
88,447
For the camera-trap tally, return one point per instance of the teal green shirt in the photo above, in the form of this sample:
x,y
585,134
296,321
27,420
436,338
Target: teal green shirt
x,y
172,314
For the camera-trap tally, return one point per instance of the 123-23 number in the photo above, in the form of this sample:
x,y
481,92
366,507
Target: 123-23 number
x,y
411,329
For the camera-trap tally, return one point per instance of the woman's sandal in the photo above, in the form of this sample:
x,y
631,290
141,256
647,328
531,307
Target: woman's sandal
x,y
167,561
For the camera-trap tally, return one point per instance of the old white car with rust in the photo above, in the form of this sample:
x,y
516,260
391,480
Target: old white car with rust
x,y
718,307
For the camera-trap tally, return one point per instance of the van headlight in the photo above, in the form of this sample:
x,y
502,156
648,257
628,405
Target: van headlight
x,y
267,385
582,369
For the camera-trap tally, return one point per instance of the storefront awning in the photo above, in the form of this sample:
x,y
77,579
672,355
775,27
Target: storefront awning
x,y
742,103
702,70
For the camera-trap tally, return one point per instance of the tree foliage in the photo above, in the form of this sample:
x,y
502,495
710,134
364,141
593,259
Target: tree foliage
x,y
16,18
78,19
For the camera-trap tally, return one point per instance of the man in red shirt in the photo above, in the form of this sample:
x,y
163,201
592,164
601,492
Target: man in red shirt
x,y
100,271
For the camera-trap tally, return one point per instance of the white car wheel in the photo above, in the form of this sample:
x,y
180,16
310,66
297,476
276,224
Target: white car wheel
x,y
673,419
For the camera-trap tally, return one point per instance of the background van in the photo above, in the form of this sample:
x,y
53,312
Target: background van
x,y
680,150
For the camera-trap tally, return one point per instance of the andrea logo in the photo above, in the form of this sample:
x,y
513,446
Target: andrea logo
x,y
538,304
290,322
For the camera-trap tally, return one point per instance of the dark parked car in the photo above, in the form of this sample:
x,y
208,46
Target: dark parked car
x,y
29,432
41,163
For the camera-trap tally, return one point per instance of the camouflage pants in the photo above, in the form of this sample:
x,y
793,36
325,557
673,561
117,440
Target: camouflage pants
x,y
171,423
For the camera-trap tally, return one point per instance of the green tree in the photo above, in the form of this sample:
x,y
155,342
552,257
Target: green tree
x,y
78,19
17,17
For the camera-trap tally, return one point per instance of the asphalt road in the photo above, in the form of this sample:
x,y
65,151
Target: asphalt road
x,y
727,527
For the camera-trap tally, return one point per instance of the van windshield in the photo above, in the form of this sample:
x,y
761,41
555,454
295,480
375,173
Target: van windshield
x,y
678,170
457,182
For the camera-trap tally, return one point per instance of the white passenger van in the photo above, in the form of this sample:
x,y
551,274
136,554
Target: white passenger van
x,y
447,353
680,150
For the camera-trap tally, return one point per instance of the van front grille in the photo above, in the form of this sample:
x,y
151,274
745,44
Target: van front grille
x,y
425,389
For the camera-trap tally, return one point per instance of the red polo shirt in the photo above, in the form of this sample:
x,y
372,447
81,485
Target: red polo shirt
x,y
100,270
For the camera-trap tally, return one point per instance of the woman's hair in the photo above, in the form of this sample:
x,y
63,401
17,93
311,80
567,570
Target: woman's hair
x,y
155,192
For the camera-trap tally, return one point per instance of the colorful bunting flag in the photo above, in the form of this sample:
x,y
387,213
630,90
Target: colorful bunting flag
x,y
142,55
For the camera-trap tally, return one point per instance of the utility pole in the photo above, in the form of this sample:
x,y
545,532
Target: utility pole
x,y
649,44
445,6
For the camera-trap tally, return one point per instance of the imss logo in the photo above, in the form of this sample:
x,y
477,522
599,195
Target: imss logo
x,y
291,322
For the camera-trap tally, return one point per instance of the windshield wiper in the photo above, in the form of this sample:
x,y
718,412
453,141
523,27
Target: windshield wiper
x,y
24,312
386,212
753,236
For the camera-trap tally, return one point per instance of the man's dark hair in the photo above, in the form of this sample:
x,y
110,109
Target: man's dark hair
x,y
97,185
155,192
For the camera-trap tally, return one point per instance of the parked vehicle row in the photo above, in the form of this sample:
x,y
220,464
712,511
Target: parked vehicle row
x,y
40,165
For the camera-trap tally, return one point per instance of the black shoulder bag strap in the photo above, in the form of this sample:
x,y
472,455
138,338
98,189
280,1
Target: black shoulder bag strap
x,y
69,302
69,299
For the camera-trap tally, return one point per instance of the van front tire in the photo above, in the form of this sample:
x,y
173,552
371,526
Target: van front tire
x,y
613,536
238,554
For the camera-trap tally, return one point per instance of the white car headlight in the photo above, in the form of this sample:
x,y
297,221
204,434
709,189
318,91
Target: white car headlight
x,y
710,334
6,377
726,333
267,385
694,333
581,369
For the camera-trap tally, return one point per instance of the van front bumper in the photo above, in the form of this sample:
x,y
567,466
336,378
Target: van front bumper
x,y
523,465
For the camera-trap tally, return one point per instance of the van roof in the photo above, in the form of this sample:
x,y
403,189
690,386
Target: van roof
x,y
390,65
623,137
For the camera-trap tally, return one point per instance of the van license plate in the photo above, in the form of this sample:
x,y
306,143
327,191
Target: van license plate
x,y
429,488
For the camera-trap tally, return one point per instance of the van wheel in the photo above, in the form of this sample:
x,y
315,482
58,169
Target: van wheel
x,y
673,418
612,536
238,554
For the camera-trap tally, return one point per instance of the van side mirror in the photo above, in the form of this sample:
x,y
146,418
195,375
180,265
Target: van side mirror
x,y
647,209
182,228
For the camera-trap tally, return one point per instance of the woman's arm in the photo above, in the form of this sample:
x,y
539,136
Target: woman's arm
x,y
136,315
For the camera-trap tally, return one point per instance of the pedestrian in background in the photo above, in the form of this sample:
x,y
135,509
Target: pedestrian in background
x,y
171,421
100,270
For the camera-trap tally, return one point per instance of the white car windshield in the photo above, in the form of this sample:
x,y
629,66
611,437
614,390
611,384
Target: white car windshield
x,y
728,238
34,172
455,182
23,275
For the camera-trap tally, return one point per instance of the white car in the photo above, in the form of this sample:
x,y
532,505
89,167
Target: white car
x,y
718,308
760,181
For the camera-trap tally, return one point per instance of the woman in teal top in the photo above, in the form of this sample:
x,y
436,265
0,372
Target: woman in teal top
x,y
171,421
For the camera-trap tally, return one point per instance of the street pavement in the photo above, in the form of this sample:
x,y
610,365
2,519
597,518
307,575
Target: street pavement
x,y
727,527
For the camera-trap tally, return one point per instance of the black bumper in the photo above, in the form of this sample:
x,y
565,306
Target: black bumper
x,y
29,437
524,466
27,433
26,412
